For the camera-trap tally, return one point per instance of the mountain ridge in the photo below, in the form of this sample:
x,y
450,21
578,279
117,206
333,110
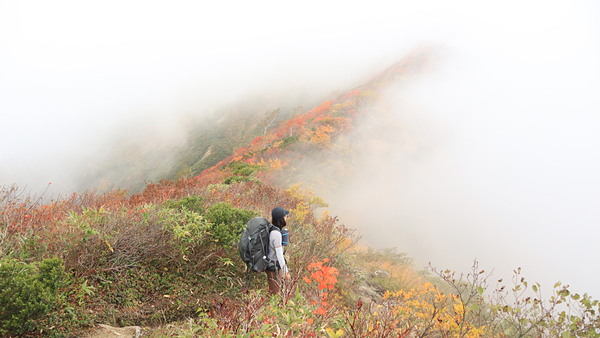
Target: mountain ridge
x,y
165,258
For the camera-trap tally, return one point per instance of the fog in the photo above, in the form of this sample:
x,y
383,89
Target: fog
x,y
73,73
491,154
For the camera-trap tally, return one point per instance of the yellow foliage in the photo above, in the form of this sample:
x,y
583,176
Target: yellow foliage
x,y
359,248
312,201
322,134
386,266
334,334
368,93
308,202
302,209
294,190
276,164
425,307
401,273
300,212
344,244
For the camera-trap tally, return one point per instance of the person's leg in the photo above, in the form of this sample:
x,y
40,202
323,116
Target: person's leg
x,y
273,281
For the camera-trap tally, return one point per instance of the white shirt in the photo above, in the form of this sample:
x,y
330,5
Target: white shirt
x,y
276,250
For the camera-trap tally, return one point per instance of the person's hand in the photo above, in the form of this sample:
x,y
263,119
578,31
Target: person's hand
x,y
285,275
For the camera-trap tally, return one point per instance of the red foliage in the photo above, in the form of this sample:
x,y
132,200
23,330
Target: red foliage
x,y
323,108
256,141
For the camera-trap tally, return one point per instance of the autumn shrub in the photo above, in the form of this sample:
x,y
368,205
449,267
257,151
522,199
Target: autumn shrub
x,y
28,291
324,277
518,309
107,239
15,218
192,203
148,295
251,314
392,270
115,239
252,195
324,237
310,309
189,230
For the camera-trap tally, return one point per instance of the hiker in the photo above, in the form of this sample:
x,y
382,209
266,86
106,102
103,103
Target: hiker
x,y
278,271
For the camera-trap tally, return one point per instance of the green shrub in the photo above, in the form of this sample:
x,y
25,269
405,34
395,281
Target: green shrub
x,y
242,169
289,141
228,223
188,228
241,172
238,179
27,293
52,274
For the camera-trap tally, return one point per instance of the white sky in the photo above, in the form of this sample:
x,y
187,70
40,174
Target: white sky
x,y
517,97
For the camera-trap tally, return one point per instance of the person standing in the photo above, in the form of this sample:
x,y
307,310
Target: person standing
x,y
278,271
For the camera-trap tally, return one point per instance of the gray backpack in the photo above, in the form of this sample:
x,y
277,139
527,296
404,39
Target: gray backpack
x,y
254,244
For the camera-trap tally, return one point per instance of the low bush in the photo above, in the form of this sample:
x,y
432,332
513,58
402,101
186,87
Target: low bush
x,y
241,172
104,239
28,291
189,229
191,203
252,314
238,179
227,223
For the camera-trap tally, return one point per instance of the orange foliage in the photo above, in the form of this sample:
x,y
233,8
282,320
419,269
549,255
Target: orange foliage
x,y
321,311
352,93
322,135
323,108
276,164
325,277
256,141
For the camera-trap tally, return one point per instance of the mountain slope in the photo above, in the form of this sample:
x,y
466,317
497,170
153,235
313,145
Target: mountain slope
x,y
167,255
277,156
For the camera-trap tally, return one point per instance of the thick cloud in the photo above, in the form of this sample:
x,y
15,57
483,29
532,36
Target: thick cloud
x,y
497,155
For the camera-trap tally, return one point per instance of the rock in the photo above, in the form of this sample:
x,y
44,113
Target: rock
x,y
381,273
107,331
370,292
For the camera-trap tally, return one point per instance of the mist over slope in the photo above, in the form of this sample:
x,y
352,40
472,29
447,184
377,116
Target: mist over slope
x,y
451,192
169,252
148,151
490,156
451,174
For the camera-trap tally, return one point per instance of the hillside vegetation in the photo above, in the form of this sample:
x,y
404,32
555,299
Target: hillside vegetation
x,y
166,258
144,152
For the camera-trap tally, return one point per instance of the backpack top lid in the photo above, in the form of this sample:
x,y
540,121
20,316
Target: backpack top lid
x,y
256,223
